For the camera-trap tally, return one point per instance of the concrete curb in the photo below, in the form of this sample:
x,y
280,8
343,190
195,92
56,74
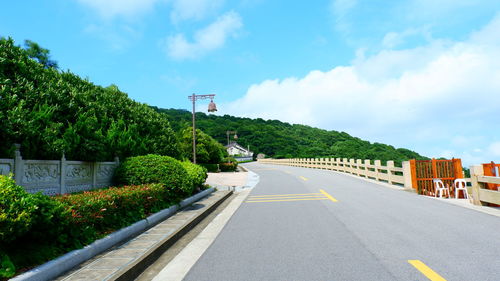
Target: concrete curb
x,y
134,269
58,266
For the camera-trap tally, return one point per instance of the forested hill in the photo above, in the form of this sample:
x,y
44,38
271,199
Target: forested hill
x,y
283,140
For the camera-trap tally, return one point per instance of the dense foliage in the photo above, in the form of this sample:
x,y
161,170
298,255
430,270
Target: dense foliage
x,y
228,164
197,174
30,221
50,112
155,169
283,140
105,210
35,228
208,150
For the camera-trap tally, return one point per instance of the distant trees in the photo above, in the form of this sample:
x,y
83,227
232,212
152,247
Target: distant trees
x,y
283,140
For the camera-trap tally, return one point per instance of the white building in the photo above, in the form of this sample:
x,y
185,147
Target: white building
x,y
235,149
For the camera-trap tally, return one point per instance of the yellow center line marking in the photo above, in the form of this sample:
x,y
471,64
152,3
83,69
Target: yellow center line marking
x,y
284,200
278,195
303,178
429,273
328,195
288,197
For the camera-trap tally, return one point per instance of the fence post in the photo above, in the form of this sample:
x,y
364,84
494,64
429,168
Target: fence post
x,y
474,172
18,165
94,174
367,168
351,166
407,174
377,164
390,169
359,168
62,179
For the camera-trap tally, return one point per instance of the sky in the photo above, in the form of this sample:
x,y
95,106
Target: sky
x,y
418,74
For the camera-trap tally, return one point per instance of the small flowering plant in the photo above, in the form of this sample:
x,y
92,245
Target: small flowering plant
x,y
112,208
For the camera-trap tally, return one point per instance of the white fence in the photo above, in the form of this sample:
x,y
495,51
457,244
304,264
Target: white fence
x,y
58,176
480,193
376,171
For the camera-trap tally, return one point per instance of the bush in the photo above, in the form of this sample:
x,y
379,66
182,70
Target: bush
x,y
32,219
228,164
7,268
16,210
197,174
155,169
105,210
211,168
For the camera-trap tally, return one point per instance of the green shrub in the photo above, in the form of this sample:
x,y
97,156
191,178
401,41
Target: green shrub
x,y
16,210
228,164
197,174
7,268
109,209
211,168
29,222
155,169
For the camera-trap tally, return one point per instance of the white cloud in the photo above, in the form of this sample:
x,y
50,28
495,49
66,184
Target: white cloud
x,y
395,39
340,9
109,9
205,40
193,9
436,99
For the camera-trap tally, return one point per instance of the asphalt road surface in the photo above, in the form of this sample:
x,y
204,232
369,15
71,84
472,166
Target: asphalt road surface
x,y
308,224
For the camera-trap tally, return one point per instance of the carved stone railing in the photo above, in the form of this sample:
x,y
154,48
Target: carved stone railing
x,y
375,171
58,176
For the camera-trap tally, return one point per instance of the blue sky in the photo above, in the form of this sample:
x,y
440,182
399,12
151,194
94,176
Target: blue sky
x,y
419,74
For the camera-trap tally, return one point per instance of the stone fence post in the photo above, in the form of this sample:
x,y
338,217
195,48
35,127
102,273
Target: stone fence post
x,y
18,164
62,179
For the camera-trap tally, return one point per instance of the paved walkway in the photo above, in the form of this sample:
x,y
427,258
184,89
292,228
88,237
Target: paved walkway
x,y
227,180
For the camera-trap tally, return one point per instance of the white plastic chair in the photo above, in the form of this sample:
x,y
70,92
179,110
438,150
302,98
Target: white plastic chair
x,y
460,184
440,188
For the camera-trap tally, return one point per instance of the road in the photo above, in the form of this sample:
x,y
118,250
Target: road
x,y
308,224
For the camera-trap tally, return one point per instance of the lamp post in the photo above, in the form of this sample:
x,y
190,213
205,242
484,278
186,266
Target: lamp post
x,y
231,132
211,108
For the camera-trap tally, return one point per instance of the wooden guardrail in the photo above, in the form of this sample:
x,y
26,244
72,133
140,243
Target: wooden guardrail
x,y
362,168
480,193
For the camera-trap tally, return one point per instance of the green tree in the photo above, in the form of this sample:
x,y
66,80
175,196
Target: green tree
x,y
208,150
42,55
283,140
50,112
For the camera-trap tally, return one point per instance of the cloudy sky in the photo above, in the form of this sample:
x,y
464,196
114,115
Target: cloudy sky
x,y
419,74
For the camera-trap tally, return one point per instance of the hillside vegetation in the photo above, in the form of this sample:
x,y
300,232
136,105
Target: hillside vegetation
x,y
50,112
283,140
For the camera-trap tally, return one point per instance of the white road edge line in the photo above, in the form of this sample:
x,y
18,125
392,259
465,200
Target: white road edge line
x,y
177,269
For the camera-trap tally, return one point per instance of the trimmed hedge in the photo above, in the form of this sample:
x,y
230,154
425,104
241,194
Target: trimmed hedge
x,y
153,168
197,174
